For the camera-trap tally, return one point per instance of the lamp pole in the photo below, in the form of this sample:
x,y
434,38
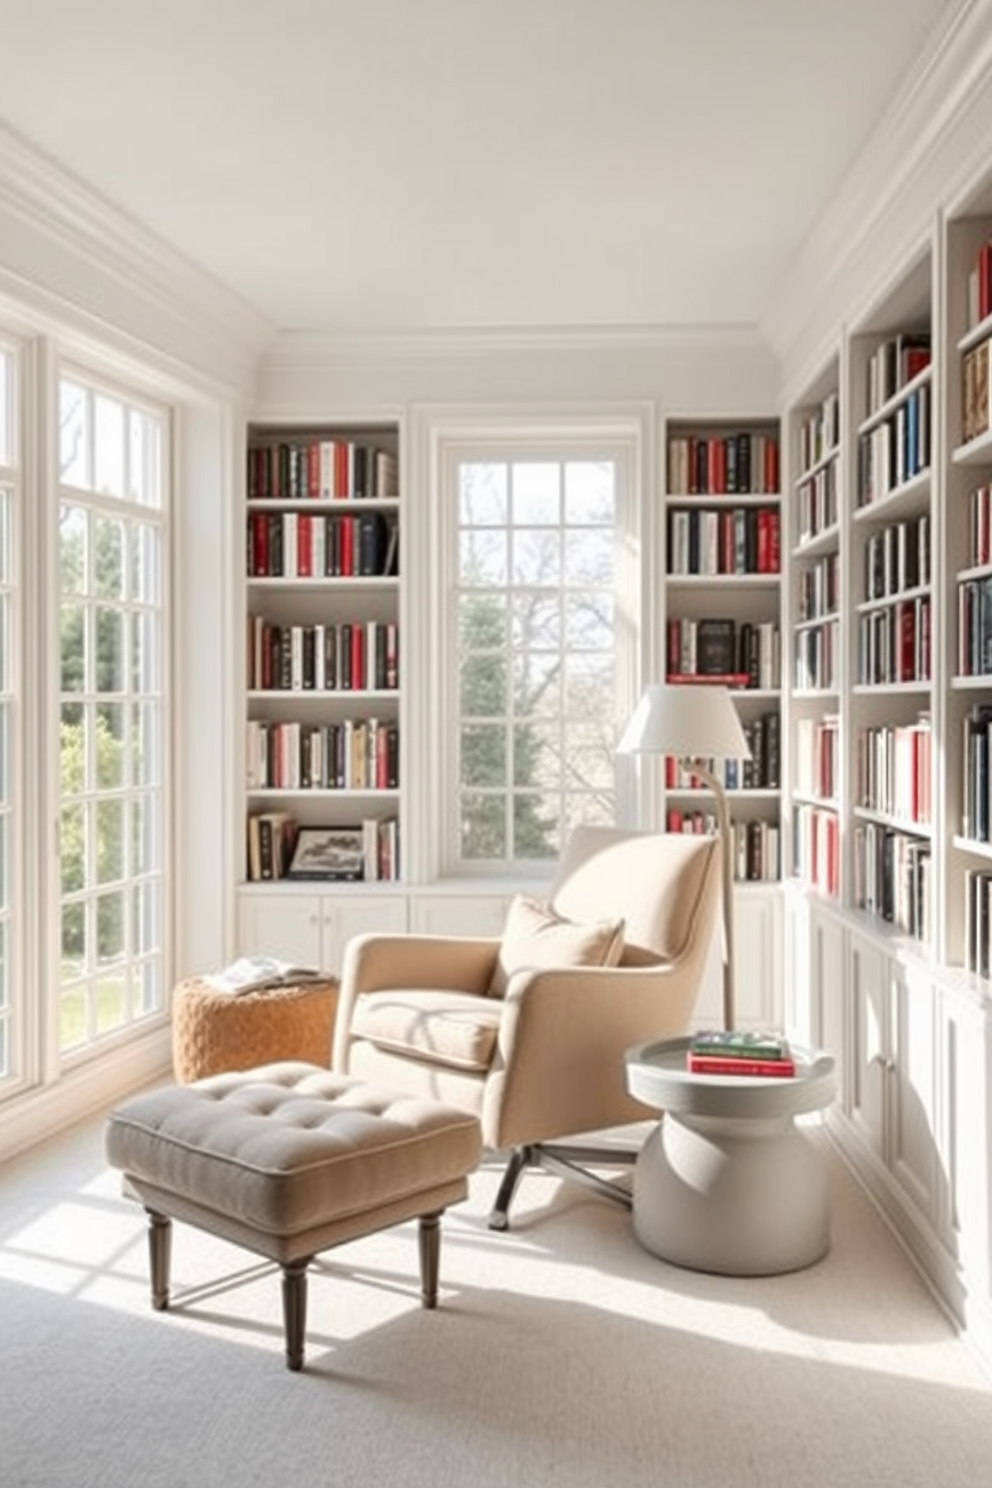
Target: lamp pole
x,y
726,842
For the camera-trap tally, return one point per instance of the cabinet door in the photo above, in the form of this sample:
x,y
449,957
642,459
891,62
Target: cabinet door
x,y
912,1151
483,915
798,990
758,956
287,926
964,1198
870,1059
343,917
828,950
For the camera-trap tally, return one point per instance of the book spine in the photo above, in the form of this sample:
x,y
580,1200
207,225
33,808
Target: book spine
x,y
706,1064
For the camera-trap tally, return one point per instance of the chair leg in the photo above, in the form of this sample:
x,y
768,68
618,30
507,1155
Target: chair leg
x,y
499,1215
294,1310
159,1257
429,1236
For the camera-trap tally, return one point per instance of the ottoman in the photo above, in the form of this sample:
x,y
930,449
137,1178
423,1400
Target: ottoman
x,y
288,1160
214,1031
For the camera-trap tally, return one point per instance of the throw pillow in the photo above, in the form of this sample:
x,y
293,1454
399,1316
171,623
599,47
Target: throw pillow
x,y
535,936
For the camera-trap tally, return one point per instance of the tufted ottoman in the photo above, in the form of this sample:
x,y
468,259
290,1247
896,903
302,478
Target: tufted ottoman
x,y
288,1160
214,1031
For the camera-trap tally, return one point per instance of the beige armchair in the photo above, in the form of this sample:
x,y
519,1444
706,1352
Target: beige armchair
x,y
536,1052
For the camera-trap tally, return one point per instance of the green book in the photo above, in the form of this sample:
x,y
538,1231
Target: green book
x,y
740,1043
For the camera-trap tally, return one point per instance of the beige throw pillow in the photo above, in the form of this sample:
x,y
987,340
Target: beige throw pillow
x,y
535,936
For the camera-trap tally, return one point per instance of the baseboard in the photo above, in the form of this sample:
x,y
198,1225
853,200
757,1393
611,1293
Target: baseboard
x,y
42,1112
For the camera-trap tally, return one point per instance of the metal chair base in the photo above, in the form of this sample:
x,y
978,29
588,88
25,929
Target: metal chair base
x,y
565,1161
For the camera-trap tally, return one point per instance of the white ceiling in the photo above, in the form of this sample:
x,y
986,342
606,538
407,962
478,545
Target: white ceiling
x,y
385,165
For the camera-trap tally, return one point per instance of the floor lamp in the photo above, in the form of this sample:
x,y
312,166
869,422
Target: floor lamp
x,y
696,722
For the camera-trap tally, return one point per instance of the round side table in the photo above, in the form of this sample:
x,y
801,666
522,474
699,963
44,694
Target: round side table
x,y
727,1182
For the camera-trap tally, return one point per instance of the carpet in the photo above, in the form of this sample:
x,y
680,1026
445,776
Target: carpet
x,y
561,1354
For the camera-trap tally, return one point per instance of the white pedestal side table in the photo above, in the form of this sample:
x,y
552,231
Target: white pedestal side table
x,y
727,1181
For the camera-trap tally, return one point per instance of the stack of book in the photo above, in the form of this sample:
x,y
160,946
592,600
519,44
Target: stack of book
x,y
740,1052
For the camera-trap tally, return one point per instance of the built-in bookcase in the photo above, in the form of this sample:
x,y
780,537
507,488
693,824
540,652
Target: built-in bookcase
x,y
322,649
814,653
723,616
967,656
890,473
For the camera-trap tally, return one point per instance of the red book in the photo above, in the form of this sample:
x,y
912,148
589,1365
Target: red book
x,y
709,679
715,1064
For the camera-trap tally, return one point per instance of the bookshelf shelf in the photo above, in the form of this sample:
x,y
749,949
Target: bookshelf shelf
x,y
723,614
322,602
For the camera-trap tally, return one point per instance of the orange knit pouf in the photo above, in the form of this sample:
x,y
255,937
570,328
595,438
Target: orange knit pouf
x,y
217,1031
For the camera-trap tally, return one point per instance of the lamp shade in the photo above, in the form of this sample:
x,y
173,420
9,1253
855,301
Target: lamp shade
x,y
696,720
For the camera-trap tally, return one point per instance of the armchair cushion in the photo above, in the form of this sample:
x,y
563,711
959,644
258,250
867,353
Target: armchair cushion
x,y
535,936
457,1029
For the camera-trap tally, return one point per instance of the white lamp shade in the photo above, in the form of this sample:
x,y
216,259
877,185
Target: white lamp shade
x,y
693,720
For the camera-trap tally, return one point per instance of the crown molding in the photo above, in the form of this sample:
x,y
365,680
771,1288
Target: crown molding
x,y
311,351
176,306
947,75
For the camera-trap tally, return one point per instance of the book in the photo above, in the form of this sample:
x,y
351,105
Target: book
x,y
716,646
742,1043
715,1064
714,679
252,973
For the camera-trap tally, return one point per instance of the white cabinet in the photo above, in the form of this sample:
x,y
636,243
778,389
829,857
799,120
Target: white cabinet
x,y
815,977
481,914
313,929
758,959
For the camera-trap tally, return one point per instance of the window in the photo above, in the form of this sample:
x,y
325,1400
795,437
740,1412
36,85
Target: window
x,y
541,601
112,839
8,498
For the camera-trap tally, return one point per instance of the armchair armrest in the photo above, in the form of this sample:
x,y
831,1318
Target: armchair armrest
x,y
561,1043
379,962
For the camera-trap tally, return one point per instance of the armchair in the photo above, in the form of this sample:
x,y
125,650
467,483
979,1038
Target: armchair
x,y
544,1060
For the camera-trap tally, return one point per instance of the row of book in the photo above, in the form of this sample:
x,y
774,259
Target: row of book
x,y
816,847
815,653
893,878
974,649
819,432
818,587
980,286
818,757
298,545
980,526
735,464
278,848
754,845
896,450
897,558
737,653
892,770
760,772
895,363
732,540
355,754
976,392
894,643
355,655
978,921
976,820
816,503
321,470
740,1052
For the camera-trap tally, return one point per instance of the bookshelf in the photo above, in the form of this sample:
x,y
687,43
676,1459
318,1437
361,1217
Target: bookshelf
x,y
322,649
723,617
968,590
815,596
890,700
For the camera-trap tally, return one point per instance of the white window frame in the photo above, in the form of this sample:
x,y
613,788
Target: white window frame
x,y
57,1060
624,438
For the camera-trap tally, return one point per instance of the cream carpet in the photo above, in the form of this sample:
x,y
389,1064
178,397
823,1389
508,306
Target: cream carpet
x,y
561,1354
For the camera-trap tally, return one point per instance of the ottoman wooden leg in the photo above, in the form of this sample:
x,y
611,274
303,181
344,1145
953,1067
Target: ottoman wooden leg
x,y
294,1310
160,1257
430,1255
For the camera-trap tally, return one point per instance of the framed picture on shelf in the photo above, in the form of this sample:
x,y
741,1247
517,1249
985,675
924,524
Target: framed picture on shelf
x,y
328,852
